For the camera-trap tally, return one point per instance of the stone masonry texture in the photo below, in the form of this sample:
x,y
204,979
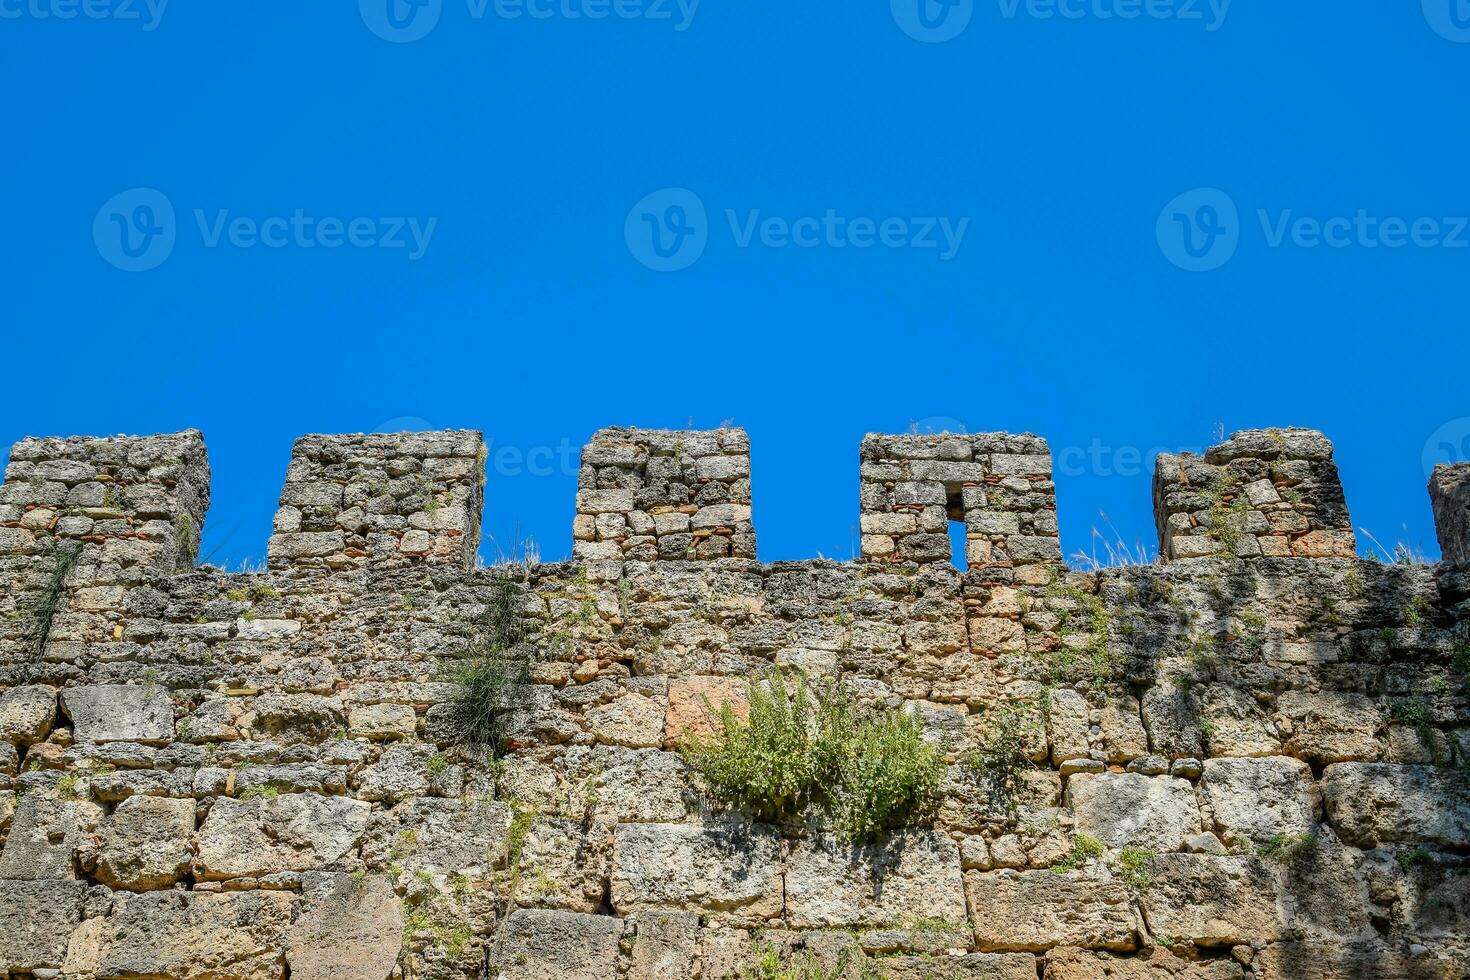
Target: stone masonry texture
x,y
1246,761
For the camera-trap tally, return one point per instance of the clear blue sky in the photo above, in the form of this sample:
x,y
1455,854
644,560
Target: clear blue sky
x,y
1066,308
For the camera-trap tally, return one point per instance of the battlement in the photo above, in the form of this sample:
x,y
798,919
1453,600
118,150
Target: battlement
x,y
645,495
384,500
1244,762
1271,493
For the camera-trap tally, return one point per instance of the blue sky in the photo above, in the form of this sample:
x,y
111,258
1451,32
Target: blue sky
x,y
1126,265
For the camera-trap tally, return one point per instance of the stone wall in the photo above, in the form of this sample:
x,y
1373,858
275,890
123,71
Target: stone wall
x,y
1246,767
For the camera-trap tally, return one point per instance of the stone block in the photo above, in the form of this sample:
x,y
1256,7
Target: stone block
x,y
695,704
1212,901
36,921
1331,726
913,875
536,944
447,836
119,713
1080,964
146,843
290,832
719,868
1033,911
229,936
1375,803
1257,800
1130,810
27,714
353,931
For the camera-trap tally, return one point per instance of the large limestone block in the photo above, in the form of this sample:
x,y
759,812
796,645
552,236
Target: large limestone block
x,y
119,713
1331,726
1131,810
911,876
732,867
1081,964
537,944
146,843
1324,894
1171,716
36,920
1212,901
49,836
1258,800
639,786
1358,961
666,946
1236,722
352,932
562,866
292,832
27,714
970,966
1032,911
1371,803
189,935
632,720
445,836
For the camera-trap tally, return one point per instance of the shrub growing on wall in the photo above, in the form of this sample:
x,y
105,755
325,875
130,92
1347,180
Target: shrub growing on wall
x,y
803,749
492,675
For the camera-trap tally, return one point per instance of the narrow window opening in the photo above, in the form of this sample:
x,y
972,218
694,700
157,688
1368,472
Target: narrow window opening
x,y
959,554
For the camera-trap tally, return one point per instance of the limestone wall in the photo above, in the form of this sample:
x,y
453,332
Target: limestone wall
x,y
1246,766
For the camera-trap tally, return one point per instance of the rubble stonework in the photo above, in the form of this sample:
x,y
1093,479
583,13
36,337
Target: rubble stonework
x,y
1246,765
1271,493
645,495
384,499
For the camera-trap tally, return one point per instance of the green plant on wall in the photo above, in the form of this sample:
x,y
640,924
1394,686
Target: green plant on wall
x,y
803,748
67,557
1001,762
492,676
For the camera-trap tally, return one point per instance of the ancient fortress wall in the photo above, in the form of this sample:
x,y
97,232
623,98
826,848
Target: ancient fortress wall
x,y
1248,760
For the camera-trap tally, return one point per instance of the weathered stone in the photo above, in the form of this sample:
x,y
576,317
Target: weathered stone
x,y
914,875
718,868
1331,726
119,713
382,722
632,720
695,705
969,966
446,836
1212,901
353,932
1358,961
1128,810
1078,964
1372,803
562,866
49,836
536,944
1033,911
639,786
291,832
36,920
27,714
231,936
1257,800
666,946
146,843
